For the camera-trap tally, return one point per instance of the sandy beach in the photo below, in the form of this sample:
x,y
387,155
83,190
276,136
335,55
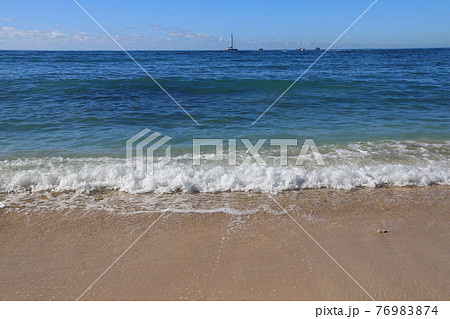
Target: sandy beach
x,y
54,245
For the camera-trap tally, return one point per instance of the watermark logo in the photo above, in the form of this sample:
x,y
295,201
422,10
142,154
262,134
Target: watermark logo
x,y
150,143
140,151
309,151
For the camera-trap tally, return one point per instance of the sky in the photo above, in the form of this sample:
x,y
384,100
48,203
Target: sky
x,y
207,24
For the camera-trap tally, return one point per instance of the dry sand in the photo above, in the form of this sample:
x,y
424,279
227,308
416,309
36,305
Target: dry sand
x,y
53,246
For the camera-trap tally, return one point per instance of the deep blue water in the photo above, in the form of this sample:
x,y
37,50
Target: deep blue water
x,y
89,103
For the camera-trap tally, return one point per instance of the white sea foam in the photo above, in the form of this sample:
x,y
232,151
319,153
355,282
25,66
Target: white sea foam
x,y
87,174
398,163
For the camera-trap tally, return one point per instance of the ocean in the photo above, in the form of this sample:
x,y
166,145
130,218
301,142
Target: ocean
x,y
378,118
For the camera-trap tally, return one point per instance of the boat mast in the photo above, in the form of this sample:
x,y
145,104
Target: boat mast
x,y
232,45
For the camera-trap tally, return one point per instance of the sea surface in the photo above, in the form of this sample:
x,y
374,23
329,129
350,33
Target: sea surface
x,y
377,117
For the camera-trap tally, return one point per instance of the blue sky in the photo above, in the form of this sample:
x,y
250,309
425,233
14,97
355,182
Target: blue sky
x,y
201,24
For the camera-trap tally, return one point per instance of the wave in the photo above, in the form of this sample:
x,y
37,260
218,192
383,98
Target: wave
x,y
213,86
89,174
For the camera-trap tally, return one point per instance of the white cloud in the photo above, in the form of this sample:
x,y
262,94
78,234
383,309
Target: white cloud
x,y
191,35
13,33
156,27
176,39
6,19
12,38
55,34
53,39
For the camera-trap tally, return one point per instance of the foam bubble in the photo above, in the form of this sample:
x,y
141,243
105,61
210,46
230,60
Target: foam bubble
x,y
88,174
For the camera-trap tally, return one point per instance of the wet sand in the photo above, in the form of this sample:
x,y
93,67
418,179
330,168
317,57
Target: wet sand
x,y
53,246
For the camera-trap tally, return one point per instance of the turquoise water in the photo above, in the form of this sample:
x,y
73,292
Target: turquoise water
x,y
65,112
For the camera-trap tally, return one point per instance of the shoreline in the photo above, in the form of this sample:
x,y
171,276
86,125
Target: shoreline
x,y
238,246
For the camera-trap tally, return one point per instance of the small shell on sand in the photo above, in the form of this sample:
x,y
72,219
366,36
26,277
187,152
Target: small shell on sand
x,y
382,231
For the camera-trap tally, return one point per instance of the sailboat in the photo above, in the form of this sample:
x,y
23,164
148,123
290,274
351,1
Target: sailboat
x,y
232,48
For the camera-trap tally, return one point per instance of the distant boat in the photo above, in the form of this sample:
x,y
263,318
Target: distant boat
x,y
260,49
318,49
231,48
301,49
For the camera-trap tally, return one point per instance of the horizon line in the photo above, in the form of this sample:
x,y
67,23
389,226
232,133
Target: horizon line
x,y
220,50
